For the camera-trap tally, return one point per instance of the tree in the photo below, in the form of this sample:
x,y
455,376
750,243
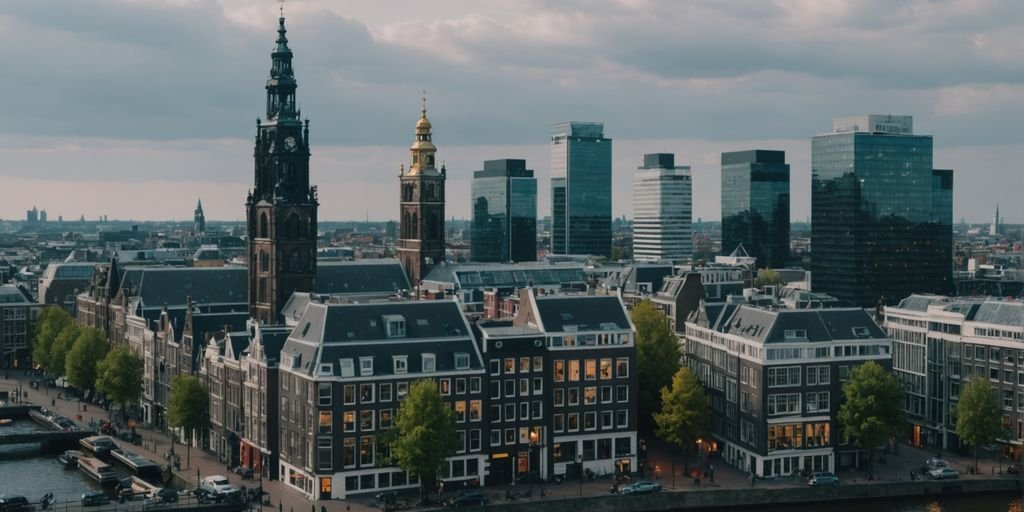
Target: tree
x,y
657,359
767,277
52,320
872,408
978,415
119,377
685,414
426,434
57,357
89,348
189,407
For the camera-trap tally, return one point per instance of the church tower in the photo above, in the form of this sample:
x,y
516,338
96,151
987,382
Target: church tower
x,y
199,219
281,208
421,238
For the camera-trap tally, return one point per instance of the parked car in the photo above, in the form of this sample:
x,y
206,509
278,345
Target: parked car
x,y
823,479
644,487
13,503
219,489
934,463
944,473
1013,469
167,495
92,498
473,499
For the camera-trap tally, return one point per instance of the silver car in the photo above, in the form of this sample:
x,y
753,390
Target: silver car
x,y
824,478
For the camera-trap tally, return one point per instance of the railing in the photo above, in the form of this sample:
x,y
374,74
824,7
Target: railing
x,y
185,502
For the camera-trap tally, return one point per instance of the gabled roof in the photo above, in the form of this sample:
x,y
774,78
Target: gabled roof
x,y
361,277
507,275
559,313
11,294
157,286
818,325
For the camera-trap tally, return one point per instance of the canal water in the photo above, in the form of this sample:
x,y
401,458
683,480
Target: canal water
x,y
27,471
991,503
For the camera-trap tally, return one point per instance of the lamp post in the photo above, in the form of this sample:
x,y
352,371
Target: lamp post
x,y
579,464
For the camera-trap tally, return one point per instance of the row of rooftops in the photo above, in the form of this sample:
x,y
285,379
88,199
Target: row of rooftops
x,y
989,310
768,326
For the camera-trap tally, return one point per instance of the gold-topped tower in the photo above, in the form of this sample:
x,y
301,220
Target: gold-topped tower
x,y
422,235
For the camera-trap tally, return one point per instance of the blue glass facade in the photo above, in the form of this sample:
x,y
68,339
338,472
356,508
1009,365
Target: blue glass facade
x,y
504,208
755,205
581,189
881,217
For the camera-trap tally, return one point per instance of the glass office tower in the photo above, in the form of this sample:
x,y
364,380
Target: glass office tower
x,y
504,212
662,210
755,205
581,189
881,216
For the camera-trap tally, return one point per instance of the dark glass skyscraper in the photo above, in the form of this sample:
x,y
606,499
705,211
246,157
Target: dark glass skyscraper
x,y
881,216
755,205
504,212
581,189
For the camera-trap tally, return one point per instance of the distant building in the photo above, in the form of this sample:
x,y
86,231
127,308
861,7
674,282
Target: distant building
x,y
62,282
774,379
18,314
199,219
994,230
32,216
755,205
581,189
662,210
421,243
881,214
42,216
504,213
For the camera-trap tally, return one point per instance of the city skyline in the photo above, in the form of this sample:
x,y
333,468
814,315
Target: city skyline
x,y
175,99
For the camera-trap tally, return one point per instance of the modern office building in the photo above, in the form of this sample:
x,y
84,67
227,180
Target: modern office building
x,y
881,215
581,189
755,205
504,213
662,210
939,344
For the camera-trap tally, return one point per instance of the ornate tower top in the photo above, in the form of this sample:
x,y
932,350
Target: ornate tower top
x,y
423,149
281,85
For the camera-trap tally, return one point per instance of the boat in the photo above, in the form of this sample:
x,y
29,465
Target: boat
x,y
138,464
70,458
99,445
6,422
97,470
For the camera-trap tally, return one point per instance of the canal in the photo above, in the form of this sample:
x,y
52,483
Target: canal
x,y
25,470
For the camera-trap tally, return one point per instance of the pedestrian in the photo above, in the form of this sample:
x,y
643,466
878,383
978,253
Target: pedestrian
x,y
53,402
711,472
657,472
752,477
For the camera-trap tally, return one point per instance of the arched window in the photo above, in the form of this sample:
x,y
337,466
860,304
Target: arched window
x,y
263,225
414,226
264,262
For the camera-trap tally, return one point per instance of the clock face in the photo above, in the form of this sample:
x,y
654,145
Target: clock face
x,y
289,144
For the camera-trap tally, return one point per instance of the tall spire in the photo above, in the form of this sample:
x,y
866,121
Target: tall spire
x,y
281,84
423,148
199,205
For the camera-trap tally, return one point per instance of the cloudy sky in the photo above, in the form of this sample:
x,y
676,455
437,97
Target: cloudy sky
x,y
134,108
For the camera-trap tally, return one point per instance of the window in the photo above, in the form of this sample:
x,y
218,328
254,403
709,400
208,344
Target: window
x,y
574,396
558,397
510,366
588,449
460,411
574,370
461,361
590,420
510,387
590,395
573,422
817,402
386,418
559,423
348,454
606,394
366,393
495,367
524,365
403,390
559,370
474,440
524,410
784,376
495,413
622,393
323,453
429,363
366,451
606,420
460,386
496,437
538,409
606,369
401,363
350,394
395,325
623,446
475,407
366,421
818,375
347,368
510,412
365,366
524,387
385,392
591,369
783,403
475,384
324,394
538,385
325,422
349,421
622,367
446,387
495,389
622,418
538,363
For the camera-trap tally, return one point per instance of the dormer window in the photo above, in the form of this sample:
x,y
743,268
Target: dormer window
x,y
429,363
861,332
796,334
326,370
394,326
347,367
401,363
365,366
461,361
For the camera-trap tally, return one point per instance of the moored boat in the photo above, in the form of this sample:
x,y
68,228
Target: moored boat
x,y
97,470
70,458
99,445
6,422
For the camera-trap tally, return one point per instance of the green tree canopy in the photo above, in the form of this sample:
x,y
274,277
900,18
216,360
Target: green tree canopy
x,y
426,434
657,359
89,348
978,415
766,277
189,405
119,376
872,408
52,320
685,414
58,355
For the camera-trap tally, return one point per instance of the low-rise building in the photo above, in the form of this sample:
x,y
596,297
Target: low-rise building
x,y
18,314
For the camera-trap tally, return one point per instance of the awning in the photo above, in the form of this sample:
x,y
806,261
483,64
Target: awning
x,y
262,450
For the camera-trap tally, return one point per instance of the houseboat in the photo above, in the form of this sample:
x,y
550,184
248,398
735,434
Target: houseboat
x,y
70,458
137,464
97,470
99,445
